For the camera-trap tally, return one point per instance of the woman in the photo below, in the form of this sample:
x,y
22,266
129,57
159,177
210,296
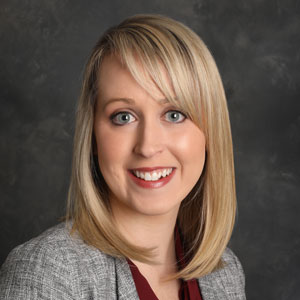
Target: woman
x,y
152,195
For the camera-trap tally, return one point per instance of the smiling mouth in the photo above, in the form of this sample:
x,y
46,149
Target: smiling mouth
x,y
154,175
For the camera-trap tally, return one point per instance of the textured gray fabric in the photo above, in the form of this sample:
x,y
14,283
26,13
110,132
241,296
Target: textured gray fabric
x,y
55,265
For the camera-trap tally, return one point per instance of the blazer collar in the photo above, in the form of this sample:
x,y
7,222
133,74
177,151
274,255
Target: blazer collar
x,y
210,285
125,284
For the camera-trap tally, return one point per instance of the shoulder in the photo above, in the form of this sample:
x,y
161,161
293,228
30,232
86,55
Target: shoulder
x,y
57,244
227,282
53,264
232,270
232,265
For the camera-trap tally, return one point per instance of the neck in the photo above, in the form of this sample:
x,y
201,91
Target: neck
x,y
150,231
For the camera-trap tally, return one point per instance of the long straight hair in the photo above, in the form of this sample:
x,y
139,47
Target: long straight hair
x,y
206,216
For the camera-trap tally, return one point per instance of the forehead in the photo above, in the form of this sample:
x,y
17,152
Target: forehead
x,y
115,80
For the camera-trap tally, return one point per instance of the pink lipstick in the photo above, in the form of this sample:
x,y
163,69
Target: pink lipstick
x,y
151,184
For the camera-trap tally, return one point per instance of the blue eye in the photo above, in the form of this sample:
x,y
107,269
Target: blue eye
x,y
175,116
122,118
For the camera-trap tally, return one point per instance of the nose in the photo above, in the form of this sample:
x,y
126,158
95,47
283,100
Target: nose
x,y
150,139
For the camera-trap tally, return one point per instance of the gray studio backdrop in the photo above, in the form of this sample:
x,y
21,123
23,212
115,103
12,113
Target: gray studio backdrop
x,y
44,45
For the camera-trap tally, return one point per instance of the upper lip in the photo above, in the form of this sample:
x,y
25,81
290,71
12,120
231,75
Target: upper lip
x,y
147,169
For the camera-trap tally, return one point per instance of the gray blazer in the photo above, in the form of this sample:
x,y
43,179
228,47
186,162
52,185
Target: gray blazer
x,y
55,265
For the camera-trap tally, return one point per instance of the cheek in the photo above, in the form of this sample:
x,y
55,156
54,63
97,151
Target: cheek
x,y
108,147
190,149
112,148
104,144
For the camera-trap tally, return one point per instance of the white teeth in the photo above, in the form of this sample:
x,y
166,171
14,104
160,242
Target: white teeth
x,y
153,176
147,177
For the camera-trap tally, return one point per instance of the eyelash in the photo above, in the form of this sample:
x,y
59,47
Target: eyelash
x,y
113,116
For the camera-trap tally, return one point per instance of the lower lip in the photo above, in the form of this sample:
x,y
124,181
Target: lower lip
x,y
152,184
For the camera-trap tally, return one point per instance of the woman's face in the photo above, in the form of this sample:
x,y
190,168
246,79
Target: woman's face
x,y
149,154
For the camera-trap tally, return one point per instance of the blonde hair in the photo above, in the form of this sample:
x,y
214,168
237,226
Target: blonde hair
x,y
206,216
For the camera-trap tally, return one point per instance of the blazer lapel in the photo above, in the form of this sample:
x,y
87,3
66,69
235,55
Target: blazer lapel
x,y
211,285
124,282
212,289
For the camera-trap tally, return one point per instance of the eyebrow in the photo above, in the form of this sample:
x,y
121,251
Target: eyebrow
x,y
128,101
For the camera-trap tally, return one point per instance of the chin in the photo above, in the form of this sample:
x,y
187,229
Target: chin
x,y
156,209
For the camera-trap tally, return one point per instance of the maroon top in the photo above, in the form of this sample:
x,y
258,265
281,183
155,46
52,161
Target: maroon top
x,y
189,290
